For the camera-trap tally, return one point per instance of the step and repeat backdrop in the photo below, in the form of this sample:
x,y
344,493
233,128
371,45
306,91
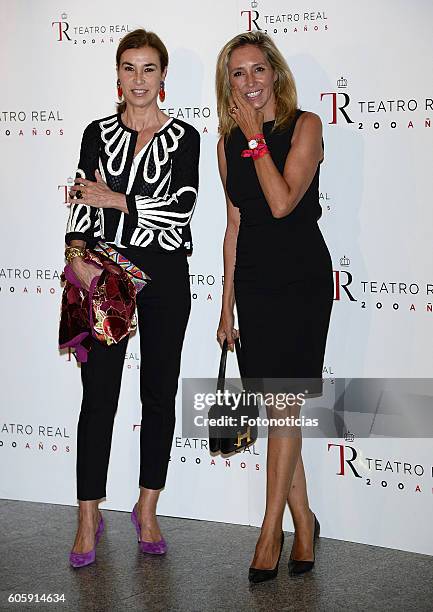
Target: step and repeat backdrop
x,y
365,69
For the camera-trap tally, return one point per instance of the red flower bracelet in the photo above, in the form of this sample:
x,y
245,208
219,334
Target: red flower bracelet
x,y
257,147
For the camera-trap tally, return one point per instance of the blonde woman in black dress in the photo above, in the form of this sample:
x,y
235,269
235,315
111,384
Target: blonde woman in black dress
x,y
277,267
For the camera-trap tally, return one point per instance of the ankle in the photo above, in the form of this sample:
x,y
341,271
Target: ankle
x,y
271,532
302,518
88,516
148,522
146,510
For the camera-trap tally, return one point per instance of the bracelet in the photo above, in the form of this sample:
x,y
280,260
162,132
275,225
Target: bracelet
x,y
258,138
256,147
259,151
71,252
256,141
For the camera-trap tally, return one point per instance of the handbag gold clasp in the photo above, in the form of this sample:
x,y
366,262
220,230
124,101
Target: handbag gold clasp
x,y
243,436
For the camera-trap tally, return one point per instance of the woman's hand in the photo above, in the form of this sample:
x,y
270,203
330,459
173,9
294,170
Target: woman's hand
x,y
246,116
226,329
98,194
85,272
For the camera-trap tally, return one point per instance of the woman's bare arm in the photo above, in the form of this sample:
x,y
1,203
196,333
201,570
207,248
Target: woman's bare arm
x,y
225,328
284,192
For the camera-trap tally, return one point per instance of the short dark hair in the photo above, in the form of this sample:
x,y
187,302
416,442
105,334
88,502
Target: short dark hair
x,y
136,40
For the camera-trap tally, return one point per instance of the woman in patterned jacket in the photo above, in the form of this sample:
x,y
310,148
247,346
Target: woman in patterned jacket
x,y
135,191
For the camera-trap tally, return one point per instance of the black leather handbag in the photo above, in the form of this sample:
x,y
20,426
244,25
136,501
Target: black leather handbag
x,y
230,435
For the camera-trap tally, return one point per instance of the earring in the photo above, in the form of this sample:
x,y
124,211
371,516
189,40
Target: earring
x,y
119,90
162,91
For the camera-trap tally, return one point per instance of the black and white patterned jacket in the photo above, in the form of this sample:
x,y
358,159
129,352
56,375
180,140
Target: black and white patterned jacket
x,y
160,184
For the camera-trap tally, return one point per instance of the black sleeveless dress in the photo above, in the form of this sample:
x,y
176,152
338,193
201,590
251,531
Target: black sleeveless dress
x,y
283,274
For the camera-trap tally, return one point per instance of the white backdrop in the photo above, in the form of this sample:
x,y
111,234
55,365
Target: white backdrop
x,y
364,68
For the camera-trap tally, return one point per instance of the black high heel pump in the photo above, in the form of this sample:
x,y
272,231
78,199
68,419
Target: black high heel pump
x,y
301,567
256,575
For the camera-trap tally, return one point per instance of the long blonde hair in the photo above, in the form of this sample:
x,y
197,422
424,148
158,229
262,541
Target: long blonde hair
x,y
284,87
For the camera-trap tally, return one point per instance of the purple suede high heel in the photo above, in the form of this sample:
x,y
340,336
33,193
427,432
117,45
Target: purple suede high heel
x,y
151,548
82,559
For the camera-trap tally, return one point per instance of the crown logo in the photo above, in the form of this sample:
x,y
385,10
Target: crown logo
x,y
254,4
344,261
349,436
342,83
70,180
64,15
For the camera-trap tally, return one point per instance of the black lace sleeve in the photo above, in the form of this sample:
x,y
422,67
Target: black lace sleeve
x,y
82,218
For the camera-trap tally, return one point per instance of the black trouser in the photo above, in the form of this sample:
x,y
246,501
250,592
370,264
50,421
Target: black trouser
x,y
163,308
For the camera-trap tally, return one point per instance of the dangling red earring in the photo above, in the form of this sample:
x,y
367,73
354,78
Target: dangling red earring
x,y
119,90
162,91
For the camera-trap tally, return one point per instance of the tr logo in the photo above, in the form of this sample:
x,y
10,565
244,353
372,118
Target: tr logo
x,y
343,461
252,17
339,285
342,97
62,28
